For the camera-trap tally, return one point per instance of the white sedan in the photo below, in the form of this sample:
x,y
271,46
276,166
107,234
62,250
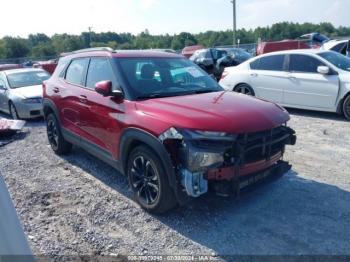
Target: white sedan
x,y
306,79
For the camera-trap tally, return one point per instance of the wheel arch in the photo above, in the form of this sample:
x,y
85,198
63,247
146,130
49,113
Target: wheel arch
x,y
341,103
49,107
133,137
244,83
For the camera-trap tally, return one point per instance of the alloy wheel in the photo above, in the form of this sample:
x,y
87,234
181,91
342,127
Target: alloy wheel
x,y
52,133
144,180
243,89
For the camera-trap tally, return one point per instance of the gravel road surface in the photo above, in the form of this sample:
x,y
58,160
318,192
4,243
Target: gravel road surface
x,y
79,205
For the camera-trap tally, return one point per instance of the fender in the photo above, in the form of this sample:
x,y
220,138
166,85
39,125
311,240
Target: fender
x,y
48,103
132,135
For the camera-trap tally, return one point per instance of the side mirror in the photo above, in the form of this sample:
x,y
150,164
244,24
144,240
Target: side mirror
x,y
324,70
118,94
2,87
104,88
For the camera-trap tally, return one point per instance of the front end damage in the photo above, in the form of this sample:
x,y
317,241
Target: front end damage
x,y
226,162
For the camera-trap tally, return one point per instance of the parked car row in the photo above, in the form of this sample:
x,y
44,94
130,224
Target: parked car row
x,y
161,120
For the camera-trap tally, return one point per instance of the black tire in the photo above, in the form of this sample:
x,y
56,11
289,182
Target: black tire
x,y
346,107
58,144
244,89
148,181
13,111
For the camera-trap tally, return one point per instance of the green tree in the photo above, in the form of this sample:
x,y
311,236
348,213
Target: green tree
x,y
15,47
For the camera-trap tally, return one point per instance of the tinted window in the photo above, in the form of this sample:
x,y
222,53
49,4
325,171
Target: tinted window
x,y
99,70
303,63
272,63
255,64
337,59
339,47
76,71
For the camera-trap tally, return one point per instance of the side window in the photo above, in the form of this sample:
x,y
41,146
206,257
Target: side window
x,y
99,70
304,63
339,47
272,63
2,83
255,64
76,71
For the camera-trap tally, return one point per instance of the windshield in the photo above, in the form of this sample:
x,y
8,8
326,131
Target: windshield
x,y
337,59
22,79
165,77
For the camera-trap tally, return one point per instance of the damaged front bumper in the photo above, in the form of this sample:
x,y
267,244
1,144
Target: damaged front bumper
x,y
219,158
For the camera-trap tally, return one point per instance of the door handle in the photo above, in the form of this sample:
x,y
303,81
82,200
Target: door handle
x,y
254,74
83,99
56,90
292,77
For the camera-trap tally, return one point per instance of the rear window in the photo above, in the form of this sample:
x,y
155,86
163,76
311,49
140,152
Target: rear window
x,y
271,63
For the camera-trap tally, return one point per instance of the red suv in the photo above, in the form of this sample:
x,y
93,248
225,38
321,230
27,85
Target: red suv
x,y
162,121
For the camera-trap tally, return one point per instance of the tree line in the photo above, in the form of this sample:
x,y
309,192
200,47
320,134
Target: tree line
x,y
40,45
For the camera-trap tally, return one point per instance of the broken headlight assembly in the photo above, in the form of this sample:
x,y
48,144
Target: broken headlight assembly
x,y
200,150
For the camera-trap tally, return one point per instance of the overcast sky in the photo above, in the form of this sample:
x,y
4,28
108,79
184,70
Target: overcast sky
x,y
22,17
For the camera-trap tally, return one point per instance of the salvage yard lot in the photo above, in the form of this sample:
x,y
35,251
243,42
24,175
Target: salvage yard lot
x,y
79,205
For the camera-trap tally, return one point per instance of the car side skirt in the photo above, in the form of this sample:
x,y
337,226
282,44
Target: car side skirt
x,y
92,149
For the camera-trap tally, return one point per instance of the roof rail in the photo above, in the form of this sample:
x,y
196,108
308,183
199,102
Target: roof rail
x,y
93,49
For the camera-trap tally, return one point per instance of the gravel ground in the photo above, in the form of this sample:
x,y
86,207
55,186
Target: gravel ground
x,y
79,205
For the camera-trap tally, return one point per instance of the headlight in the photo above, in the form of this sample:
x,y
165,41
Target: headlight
x,y
199,150
32,100
208,135
198,161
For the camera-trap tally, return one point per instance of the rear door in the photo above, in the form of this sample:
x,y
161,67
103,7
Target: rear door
x,y
71,103
308,88
268,77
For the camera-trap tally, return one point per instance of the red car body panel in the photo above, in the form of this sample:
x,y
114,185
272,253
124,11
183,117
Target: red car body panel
x,y
268,47
229,172
48,66
188,51
221,111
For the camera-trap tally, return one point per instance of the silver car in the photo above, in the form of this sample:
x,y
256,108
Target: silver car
x,y
21,92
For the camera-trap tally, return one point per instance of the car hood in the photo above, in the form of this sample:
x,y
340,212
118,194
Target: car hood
x,y
219,111
28,91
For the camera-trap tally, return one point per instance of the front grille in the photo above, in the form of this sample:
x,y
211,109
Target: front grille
x,y
253,147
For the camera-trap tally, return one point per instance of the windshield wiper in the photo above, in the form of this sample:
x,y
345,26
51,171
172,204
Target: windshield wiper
x,y
190,92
